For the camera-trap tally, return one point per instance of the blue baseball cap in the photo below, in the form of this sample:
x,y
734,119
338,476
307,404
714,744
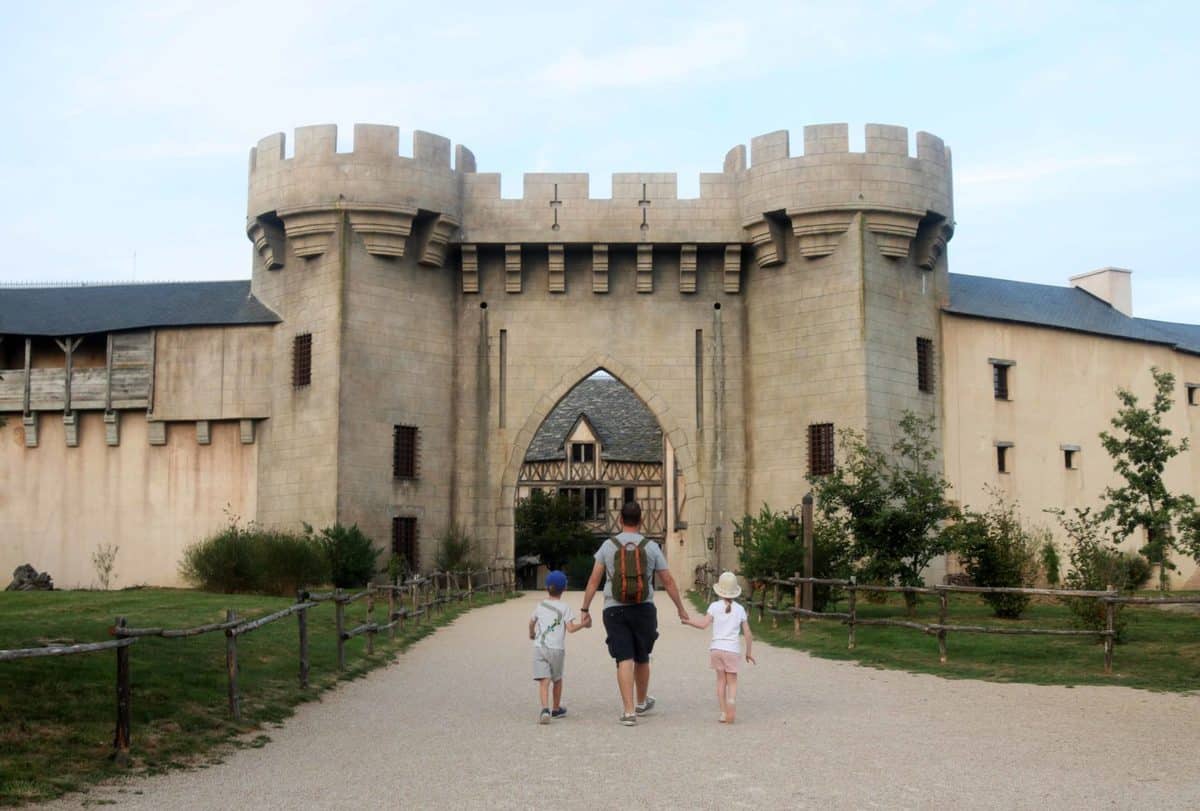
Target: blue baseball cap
x,y
556,580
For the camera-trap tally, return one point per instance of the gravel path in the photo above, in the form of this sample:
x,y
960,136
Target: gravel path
x,y
452,724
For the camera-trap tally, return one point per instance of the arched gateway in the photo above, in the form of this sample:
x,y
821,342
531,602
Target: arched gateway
x,y
443,322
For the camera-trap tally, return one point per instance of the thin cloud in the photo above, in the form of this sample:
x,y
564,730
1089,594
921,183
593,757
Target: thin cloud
x,y
1044,169
704,48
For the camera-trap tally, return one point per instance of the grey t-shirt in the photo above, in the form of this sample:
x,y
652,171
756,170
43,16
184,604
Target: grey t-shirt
x,y
607,554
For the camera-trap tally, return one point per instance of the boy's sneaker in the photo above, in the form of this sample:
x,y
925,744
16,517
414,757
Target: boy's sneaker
x,y
559,713
629,720
544,716
642,709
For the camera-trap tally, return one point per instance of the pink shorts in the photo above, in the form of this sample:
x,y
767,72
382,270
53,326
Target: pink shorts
x,y
723,661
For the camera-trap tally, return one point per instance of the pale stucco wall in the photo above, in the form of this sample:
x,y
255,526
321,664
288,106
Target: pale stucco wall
x,y
58,504
1062,391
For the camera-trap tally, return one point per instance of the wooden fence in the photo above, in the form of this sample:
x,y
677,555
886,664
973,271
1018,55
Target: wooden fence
x,y
1111,598
417,599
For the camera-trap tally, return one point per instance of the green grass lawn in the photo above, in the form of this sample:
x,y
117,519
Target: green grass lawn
x,y
1161,650
57,714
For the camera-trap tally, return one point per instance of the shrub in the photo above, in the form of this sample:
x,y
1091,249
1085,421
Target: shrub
x,y
1051,563
578,570
104,559
1094,564
552,527
351,555
998,552
251,559
454,552
767,550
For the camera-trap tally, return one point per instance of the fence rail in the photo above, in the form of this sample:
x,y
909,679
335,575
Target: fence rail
x,y
424,595
1110,598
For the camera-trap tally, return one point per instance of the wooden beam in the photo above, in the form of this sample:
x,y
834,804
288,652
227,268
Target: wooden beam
x,y
153,363
108,363
69,346
28,363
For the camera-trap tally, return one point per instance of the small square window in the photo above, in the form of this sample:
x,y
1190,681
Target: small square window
x,y
820,449
1193,393
925,364
302,360
1003,457
1069,458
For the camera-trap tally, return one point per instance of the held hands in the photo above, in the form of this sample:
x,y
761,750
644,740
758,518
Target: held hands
x,y
586,622
750,658
684,618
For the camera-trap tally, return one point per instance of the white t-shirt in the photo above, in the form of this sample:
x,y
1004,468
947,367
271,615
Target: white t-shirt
x,y
726,627
550,630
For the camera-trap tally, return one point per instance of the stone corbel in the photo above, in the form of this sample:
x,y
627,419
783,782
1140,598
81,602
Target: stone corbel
x,y
71,429
156,432
733,268
470,269
894,231
599,268
246,431
687,269
558,269
310,231
512,268
437,237
767,237
268,241
112,428
30,423
384,229
817,232
932,237
645,268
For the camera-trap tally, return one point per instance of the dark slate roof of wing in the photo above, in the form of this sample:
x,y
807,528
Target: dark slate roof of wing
x,y
109,308
1068,308
628,430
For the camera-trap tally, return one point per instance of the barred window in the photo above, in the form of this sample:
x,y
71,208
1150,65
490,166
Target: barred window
x,y
925,364
820,449
1000,379
404,540
302,360
404,452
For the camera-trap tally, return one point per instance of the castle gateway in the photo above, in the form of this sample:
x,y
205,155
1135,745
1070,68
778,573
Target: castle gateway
x,y
407,330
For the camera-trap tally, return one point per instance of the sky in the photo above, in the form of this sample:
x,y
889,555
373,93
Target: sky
x,y
125,127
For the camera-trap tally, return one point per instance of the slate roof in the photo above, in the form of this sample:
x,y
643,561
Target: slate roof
x,y
1068,308
627,430
86,309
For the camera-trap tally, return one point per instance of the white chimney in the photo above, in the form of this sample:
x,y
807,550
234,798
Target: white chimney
x,y
1110,285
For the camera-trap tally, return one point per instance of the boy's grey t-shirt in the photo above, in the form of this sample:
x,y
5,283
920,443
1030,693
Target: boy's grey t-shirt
x,y
607,554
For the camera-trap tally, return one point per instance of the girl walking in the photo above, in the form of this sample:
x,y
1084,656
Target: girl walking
x,y
727,618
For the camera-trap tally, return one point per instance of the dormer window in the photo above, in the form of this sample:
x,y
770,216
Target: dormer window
x,y
583,452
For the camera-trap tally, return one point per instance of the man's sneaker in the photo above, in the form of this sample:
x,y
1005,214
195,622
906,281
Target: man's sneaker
x,y
642,709
629,720
544,716
559,713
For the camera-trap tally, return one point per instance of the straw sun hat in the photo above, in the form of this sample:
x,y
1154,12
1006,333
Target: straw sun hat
x,y
727,586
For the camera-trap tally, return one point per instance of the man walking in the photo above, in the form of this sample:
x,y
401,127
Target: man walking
x,y
630,618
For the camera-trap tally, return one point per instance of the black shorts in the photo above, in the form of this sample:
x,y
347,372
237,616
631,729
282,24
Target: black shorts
x,y
632,630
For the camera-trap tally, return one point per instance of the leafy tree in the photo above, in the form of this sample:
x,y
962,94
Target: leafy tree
x,y
1140,448
998,552
892,506
551,526
1094,563
767,550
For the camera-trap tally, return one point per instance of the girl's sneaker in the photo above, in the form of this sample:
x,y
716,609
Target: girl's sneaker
x,y
642,709
544,716
629,720
559,713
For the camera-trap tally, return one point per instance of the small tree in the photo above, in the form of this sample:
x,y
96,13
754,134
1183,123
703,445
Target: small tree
x,y
893,505
998,552
1140,448
1094,563
551,526
767,550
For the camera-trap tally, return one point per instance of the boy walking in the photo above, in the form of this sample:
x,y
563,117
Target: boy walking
x,y
548,628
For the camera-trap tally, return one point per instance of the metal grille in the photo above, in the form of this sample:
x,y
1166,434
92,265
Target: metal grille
x,y
820,449
404,539
925,364
404,452
302,360
1000,380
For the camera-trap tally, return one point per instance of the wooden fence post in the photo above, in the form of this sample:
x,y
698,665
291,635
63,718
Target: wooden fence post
x,y
852,599
416,616
1110,627
339,614
231,667
121,736
806,514
774,600
302,624
370,620
797,590
943,611
470,588
392,619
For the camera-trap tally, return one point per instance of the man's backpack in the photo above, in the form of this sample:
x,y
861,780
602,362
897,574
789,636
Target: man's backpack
x,y
631,571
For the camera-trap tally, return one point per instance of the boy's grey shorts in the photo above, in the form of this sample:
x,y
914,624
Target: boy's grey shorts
x,y
548,663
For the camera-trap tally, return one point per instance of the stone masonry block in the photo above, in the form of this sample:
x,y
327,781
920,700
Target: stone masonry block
x,y
376,139
823,139
431,149
887,139
316,142
772,146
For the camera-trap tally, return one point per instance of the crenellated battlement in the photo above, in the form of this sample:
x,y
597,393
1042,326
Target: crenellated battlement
x,y
758,196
